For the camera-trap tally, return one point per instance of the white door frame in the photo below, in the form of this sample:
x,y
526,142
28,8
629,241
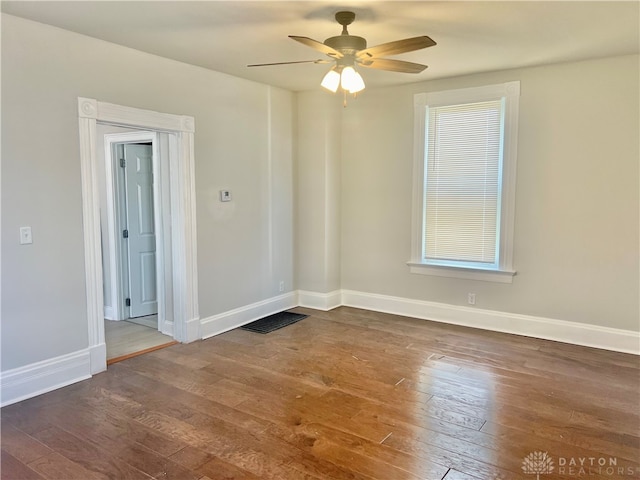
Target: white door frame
x,y
115,250
181,160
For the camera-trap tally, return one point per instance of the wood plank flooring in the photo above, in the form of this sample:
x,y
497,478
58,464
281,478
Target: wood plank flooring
x,y
346,394
125,339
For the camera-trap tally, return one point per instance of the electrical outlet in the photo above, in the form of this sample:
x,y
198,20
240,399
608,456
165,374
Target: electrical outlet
x,y
282,286
471,298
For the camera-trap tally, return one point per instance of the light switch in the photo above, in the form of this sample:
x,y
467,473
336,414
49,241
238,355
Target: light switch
x,y
225,195
25,236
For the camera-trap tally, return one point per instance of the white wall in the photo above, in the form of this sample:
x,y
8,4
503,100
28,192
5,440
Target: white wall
x,y
318,234
243,142
577,198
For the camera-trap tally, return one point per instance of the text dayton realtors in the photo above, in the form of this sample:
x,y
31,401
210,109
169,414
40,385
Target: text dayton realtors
x,y
594,466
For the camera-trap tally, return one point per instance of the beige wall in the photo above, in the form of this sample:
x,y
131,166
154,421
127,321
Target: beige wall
x,y
576,230
243,143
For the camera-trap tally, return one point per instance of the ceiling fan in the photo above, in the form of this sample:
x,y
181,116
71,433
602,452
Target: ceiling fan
x,y
347,51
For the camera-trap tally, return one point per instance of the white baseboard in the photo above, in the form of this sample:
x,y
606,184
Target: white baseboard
x,y
606,338
618,340
98,358
42,377
109,313
231,319
192,328
320,301
167,329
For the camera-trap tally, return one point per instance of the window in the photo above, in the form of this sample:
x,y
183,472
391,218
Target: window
x,y
463,205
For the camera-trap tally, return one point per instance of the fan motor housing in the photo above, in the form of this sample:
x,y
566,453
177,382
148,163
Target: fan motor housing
x,y
346,44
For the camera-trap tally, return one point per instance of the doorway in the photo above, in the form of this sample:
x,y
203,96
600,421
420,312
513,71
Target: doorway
x,y
176,267
134,193
136,267
134,323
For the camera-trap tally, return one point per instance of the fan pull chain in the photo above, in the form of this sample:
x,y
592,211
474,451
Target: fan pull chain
x,y
344,102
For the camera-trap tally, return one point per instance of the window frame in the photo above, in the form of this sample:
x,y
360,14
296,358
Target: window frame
x,y
504,271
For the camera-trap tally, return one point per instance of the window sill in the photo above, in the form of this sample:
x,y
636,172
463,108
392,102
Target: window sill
x,y
499,276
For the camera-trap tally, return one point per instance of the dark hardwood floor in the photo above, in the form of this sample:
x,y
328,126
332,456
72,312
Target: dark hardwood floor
x,y
346,394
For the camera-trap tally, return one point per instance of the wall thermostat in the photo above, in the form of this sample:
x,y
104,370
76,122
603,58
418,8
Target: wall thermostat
x,y
225,195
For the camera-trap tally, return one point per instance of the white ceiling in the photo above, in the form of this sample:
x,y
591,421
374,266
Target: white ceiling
x,y
471,37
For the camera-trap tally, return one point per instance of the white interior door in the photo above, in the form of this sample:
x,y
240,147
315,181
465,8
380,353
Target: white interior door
x,y
141,240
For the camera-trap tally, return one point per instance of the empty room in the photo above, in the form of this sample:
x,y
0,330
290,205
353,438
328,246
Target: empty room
x,y
385,240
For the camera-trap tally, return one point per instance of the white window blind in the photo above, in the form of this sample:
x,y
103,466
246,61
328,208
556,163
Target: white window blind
x,y
462,183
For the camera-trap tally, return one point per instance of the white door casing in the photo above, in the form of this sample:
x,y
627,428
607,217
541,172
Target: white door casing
x,y
140,228
179,132
115,251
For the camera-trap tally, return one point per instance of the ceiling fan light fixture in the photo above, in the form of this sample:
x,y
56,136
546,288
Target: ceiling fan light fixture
x,y
350,80
357,83
347,50
331,80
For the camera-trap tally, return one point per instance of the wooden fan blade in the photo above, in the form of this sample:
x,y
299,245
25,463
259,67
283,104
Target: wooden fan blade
x,y
316,45
393,65
397,47
288,63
